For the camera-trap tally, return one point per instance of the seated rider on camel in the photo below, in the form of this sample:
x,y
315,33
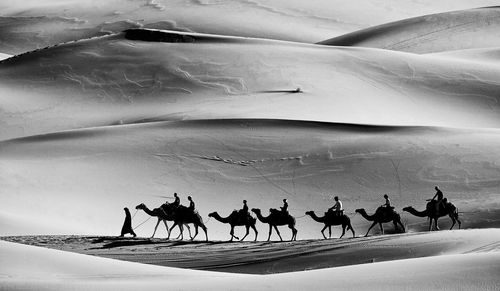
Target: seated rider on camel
x,y
337,208
387,205
177,201
191,204
284,208
440,200
244,211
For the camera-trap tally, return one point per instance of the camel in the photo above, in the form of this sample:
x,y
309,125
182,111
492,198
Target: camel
x,y
275,219
235,219
162,216
183,215
430,212
330,219
380,216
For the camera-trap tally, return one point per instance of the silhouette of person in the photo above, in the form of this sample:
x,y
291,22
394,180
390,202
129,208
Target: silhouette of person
x,y
284,208
177,201
191,203
387,203
244,209
337,208
440,196
127,224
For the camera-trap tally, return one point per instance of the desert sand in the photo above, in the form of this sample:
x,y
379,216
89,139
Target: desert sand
x,y
110,104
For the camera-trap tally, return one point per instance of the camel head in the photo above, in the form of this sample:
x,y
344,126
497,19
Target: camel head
x,y
256,210
360,210
140,206
212,214
408,208
310,213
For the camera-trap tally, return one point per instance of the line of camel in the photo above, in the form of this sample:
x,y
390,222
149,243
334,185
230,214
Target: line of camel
x,y
183,216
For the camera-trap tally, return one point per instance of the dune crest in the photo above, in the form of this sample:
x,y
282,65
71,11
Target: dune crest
x,y
446,31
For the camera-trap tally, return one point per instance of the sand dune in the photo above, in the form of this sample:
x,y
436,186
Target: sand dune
x,y
29,25
112,80
109,104
447,31
222,162
51,269
274,257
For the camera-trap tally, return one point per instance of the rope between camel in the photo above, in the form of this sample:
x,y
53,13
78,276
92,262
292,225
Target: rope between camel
x,y
142,222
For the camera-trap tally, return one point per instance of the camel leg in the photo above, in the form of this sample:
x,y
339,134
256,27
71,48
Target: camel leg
x,y
436,223
352,229
181,228
402,226
158,222
343,230
189,230
256,232
205,230
459,222
452,222
294,232
323,231
381,228
330,231
166,225
232,233
170,230
195,231
270,231
248,231
278,232
373,224
430,224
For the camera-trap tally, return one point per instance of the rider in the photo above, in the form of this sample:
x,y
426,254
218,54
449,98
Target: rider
x,y
284,208
337,207
439,196
387,203
177,201
191,203
244,210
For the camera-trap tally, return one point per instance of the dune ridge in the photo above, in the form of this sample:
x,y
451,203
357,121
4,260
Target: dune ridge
x,y
430,33
147,80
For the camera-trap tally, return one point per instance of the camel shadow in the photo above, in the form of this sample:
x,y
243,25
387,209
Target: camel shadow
x,y
115,242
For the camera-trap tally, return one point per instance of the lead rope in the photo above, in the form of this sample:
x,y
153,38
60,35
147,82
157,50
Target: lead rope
x,y
135,213
142,222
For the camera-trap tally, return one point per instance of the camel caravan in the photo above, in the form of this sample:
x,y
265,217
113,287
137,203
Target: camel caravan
x,y
182,216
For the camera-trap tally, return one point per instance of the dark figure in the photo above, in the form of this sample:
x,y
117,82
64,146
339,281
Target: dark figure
x,y
284,208
244,211
439,200
177,201
127,224
337,208
387,203
191,203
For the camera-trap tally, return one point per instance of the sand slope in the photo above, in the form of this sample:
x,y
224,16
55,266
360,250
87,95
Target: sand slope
x,y
430,33
113,79
29,25
273,257
51,269
79,181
